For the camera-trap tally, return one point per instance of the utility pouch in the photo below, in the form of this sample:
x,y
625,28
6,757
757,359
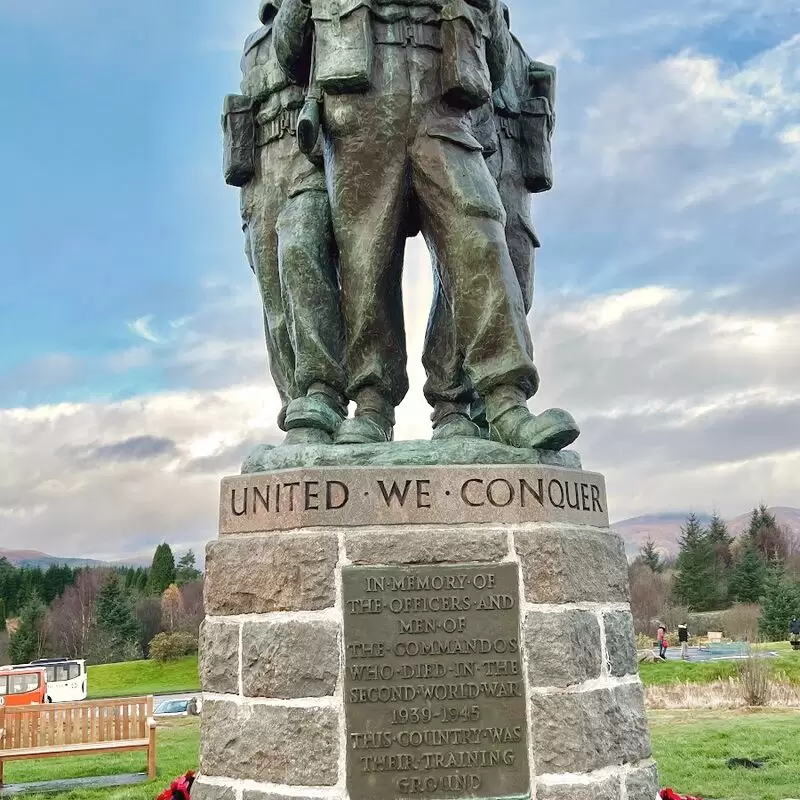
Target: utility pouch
x,y
239,137
343,45
466,82
536,123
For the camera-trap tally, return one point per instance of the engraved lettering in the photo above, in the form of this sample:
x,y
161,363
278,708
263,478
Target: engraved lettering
x,y
336,490
560,503
465,489
585,497
395,494
526,489
291,487
596,504
423,495
244,503
259,498
311,494
504,491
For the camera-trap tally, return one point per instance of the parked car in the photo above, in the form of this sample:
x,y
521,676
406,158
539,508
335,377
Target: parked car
x,y
178,708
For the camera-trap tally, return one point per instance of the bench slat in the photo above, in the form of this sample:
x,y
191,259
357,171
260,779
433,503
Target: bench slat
x,y
69,750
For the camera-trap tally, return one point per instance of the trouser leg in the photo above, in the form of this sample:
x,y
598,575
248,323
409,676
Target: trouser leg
x,y
464,223
446,384
262,247
308,264
368,205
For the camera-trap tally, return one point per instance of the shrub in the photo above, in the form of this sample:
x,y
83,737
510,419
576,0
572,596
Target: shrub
x,y
755,679
172,646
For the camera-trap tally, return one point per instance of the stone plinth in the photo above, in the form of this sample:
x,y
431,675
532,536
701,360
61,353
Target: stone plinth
x,y
333,634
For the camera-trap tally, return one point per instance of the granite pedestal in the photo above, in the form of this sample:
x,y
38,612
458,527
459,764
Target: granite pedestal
x,y
420,632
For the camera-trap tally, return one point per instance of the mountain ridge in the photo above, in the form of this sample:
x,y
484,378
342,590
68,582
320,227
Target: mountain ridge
x,y
665,529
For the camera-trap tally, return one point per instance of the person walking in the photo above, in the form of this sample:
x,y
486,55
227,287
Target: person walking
x,y
683,638
662,642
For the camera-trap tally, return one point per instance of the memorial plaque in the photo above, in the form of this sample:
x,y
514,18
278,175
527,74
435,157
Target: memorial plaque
x,y
434,690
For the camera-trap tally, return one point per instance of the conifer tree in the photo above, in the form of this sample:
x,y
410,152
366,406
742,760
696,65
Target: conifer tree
x,y
117,632
162,572
747,578
650,556
781,603
28,641
694,582
186,571
720,540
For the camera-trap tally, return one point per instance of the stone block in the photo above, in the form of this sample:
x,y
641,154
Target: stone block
x,y
219,657
608,789
621,643
587,731
571,565
206,791
270,744
273,572
426,546
642,783
563,648
289,659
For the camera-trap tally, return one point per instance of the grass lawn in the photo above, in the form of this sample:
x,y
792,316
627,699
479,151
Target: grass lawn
x,y
664,673
143,677
177,744
692,748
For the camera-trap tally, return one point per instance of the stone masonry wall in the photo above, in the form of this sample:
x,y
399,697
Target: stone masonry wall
x,y
271,657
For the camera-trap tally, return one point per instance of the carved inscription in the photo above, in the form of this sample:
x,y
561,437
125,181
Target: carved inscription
x,y
434,691
398,496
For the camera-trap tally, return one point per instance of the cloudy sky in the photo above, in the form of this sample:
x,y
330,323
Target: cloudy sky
x,y
132,371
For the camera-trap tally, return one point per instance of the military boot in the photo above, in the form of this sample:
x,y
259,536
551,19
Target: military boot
x,y
315,418
373,422
511,423
451,420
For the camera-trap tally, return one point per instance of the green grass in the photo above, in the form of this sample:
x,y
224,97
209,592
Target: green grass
x,y
143,678
177,748
786,665
692,748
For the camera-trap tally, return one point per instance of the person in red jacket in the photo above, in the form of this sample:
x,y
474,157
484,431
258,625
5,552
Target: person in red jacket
x,y
662,642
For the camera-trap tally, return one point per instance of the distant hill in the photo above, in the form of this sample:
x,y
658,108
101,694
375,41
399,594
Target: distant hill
x,y
665,529
33,558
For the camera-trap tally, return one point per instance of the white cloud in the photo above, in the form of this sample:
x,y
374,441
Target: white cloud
x,y
142,327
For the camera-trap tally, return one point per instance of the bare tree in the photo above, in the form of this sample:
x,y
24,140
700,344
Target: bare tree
x,y
71,620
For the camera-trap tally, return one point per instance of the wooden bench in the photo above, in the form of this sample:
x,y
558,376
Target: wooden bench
x,y
70,729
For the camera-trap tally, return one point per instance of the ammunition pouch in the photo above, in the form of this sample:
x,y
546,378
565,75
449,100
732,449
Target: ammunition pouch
x,y
536,132
466,81
343,45
239,136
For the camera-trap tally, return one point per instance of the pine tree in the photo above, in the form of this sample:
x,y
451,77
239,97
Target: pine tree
x,y
781,603
162,572
186,571
694,582
721,541
747,578
115,618
650,556
27,642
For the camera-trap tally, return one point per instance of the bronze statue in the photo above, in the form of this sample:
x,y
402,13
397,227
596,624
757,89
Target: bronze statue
x,y
397,83
515,130
288,239
399,92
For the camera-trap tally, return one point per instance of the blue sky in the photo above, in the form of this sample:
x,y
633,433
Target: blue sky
x,y
667,291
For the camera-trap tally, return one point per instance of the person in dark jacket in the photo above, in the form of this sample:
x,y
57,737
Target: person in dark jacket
x,y
794,633
683,638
